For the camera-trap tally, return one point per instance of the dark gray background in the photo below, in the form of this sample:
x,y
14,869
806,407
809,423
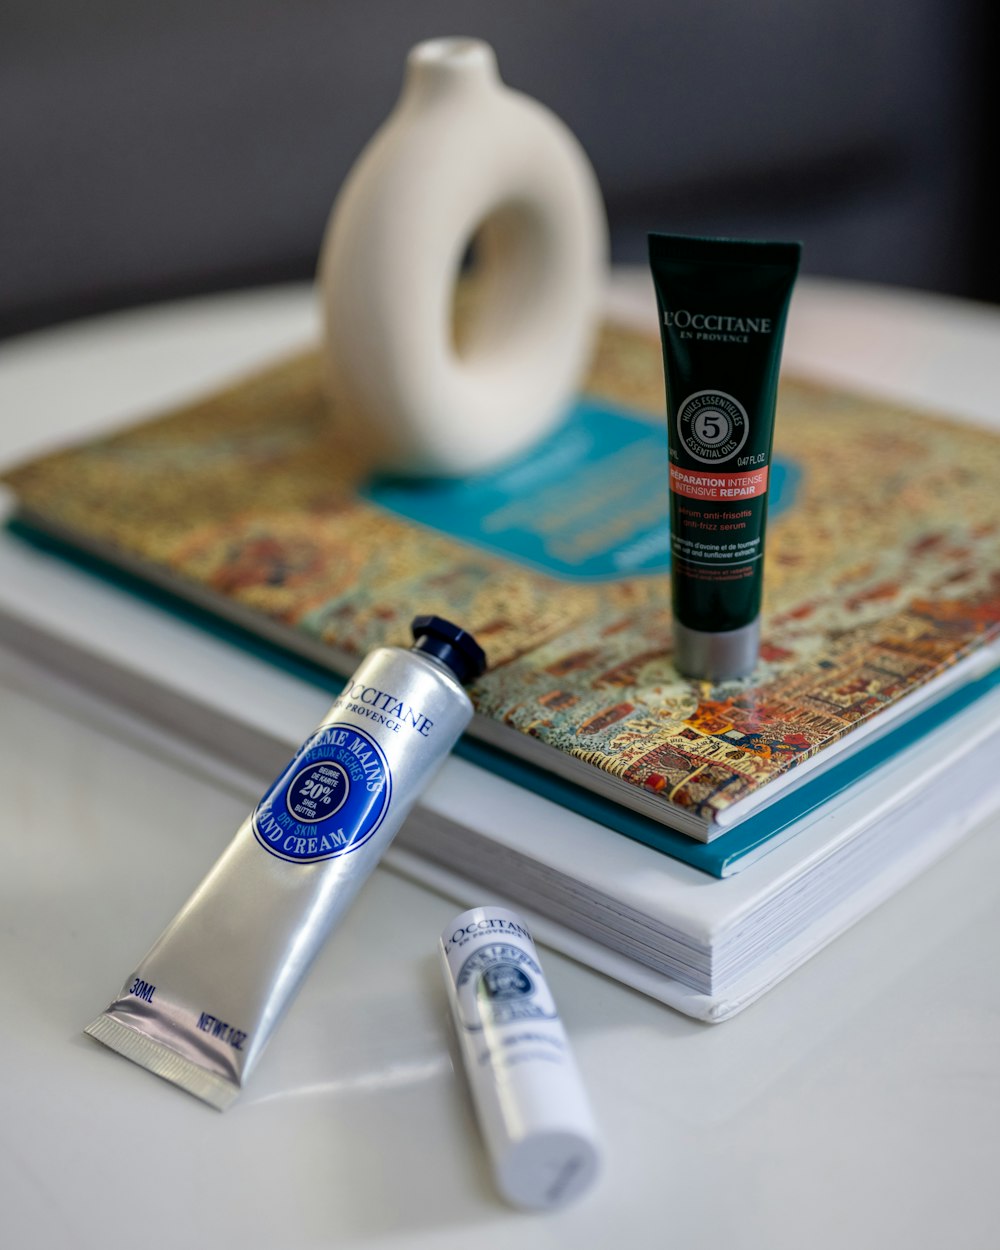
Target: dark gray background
x,y
152,150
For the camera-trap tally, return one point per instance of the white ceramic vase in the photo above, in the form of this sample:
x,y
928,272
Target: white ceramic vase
x,y
461,157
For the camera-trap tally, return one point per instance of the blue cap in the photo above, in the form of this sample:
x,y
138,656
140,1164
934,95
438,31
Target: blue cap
x,y
450,644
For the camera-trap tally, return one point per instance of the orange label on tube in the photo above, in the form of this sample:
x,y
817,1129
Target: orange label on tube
x,y
694,484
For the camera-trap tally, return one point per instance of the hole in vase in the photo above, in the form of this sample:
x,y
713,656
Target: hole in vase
x,y
500,279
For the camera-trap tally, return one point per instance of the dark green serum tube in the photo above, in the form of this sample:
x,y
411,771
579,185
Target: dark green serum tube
x,y
723,305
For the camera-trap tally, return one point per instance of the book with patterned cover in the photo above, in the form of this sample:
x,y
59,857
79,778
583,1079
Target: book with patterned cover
x,y
882,577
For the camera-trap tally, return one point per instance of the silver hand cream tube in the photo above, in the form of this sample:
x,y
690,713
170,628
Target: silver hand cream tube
x,y
202,1005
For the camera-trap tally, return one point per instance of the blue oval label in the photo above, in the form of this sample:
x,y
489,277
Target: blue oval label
x,y
329,800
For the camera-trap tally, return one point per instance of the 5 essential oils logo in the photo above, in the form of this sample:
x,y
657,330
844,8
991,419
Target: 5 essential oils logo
x,y
383,708
712,425
329,800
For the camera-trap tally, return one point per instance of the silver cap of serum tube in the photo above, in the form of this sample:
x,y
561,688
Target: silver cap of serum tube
x,y
712,656
525,1085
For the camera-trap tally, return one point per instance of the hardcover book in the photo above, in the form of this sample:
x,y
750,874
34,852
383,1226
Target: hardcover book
x,y
882,582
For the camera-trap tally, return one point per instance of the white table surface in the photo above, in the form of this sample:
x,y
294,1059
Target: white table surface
x,y
856,1105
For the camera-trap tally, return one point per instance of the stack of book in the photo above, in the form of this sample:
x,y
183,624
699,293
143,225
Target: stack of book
x,y
229,562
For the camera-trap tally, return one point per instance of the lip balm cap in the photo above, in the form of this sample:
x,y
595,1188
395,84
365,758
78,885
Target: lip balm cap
x,y
530,1103
546,1171
450,644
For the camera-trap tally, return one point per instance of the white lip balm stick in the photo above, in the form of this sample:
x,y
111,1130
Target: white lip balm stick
x,y
526,1089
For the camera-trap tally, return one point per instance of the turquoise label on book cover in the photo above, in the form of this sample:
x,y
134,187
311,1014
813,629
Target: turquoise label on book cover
x,y
588,503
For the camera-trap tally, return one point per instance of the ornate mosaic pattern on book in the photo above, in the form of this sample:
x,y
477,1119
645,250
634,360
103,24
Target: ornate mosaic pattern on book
x,y
885,571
